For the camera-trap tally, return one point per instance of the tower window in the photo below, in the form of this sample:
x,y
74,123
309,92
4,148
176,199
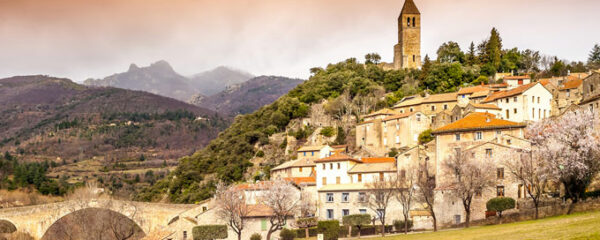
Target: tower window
x,y
414,58
408,22
414,22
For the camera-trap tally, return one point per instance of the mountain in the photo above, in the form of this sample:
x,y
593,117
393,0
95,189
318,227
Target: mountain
x,y
158,78
246,97
214,81
46,118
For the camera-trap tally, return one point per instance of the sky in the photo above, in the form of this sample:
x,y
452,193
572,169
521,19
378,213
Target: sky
x,y
79,39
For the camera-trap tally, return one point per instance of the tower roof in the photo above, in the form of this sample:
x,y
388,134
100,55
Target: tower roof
x,y
410,8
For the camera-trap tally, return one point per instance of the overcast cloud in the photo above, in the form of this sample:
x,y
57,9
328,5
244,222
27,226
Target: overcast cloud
x,y
95,38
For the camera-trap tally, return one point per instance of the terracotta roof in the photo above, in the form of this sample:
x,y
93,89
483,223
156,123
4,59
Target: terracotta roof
x,y
295,163
254,186
410,8
444,97
385,111
302,180
259,210
336,158
398,116
498,85
509,93
479,94
544,81
373,167
471,90
517,77
478,121
310,148
410,101
378,160
485,106
574,83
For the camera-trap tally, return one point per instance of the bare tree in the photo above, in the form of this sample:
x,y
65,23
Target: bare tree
x,y
380,192
530,169
405,192
426,187
468,177
283,199
232,207
307,205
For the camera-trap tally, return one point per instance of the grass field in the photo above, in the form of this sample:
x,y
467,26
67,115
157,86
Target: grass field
x,y
578,226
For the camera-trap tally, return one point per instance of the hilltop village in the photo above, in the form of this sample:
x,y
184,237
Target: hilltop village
x,y
415,139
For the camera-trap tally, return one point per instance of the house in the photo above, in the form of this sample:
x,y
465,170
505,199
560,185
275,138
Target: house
x,y
314,152
474,94
393,132
381,114
483,137
570,92
591,95
530,102
293,169
517,81
428,105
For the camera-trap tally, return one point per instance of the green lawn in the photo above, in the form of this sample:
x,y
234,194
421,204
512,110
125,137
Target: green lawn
x,y
578,226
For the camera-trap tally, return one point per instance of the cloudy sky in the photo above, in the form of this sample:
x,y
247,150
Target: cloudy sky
x,y
95,38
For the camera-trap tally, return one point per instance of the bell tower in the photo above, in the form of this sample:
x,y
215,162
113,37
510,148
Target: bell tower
x,y
407,53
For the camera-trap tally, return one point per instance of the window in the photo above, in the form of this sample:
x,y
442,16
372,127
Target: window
x,y
338,165
408,22
418,117
432,108
544,113
300,169
397,126
312,153
533,113
345,212
445,106
331,166
507,114
532,99
403,174
380,176
324,180
500,173
329,213
538,99
385,142
345,197
457,136
539,113
411,109
568,92
337,180
304,154
184,235
508,142
500,191
263,224
515,111
515,99
478,192
323,166
397,139
204,209
478,136
362,211
507,100
360,177
488,152
329,198
414,58
414,22
362,197
519,194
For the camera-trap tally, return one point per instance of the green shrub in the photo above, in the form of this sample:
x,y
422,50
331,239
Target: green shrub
x,y
329,229
301,233
500,204
327,131
356,221
208,232
425,136
287,234
399,225
256,236
260,153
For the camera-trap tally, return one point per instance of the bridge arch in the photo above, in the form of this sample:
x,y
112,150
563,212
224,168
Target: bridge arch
x,y
7,226
94,223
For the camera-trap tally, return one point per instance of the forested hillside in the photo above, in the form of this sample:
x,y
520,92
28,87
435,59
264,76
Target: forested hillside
x,y
346,88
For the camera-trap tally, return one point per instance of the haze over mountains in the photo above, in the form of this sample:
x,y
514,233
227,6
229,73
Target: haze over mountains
x,y
222,89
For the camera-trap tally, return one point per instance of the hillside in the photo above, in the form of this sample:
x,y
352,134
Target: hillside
x,y
214,81
56,120
247,97
158,78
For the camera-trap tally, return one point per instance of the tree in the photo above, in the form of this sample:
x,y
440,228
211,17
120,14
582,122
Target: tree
x,y
405,192
372,58
558,68
450,52
340,138
594,57
471,57
380,192
425,136
530,169
282,199
306,223
232,207
500,204
468,177
493,49
426,190
570,147
356,220
531,60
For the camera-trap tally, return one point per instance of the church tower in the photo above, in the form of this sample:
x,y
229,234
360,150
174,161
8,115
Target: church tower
x,y
407,53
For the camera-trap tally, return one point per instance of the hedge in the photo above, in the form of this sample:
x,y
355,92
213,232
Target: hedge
x,y
500,204
209,232
287,234
399,225
300,233
366,230
256,236
329,229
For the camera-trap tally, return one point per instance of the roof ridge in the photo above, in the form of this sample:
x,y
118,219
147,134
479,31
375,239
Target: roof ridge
x,y
410,8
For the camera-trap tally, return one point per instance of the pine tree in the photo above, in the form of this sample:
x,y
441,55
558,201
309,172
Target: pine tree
x,y
493,49
471,58
594,57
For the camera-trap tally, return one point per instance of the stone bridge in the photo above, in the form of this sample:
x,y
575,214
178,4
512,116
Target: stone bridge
x,y
37,219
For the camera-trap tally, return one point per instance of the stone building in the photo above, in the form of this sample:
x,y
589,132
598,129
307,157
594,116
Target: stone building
x,y
429,105
407,53
570,92
591,95
483,137
516,81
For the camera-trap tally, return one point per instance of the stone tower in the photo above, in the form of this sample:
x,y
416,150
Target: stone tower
x,y
407,53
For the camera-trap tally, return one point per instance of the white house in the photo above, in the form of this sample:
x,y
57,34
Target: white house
x,y
530,102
